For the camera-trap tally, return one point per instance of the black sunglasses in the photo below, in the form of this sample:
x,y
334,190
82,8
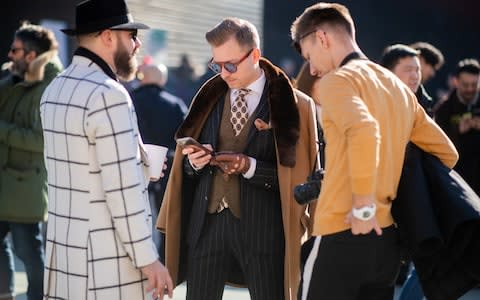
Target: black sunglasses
x,y
229,66
133,33
296,44
14,50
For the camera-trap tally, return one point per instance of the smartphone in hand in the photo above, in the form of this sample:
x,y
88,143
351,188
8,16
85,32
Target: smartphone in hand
x,y
191,142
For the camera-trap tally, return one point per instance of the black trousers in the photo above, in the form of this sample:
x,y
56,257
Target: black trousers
x,y
343,266
221,248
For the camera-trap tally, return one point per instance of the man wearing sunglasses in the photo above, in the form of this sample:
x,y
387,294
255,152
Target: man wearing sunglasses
x,y
240,223
99,243
23,198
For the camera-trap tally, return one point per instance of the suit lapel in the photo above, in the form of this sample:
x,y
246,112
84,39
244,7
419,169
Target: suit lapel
x,y
217,119
262,112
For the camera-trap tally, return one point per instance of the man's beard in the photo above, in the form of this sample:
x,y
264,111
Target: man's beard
x,y
125,63
19,68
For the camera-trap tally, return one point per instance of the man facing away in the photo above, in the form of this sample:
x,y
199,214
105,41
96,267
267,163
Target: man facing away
x,y
23,179
231,216
159,114
368,117
99,243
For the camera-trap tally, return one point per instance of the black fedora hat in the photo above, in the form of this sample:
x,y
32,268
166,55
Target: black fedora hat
x,y
96,15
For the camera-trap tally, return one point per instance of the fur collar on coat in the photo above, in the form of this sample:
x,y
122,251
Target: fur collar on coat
x,y
36,69
284,115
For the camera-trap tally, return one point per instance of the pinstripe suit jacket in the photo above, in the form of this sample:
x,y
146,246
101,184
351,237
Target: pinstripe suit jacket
x,y
259,196
285,155
99,226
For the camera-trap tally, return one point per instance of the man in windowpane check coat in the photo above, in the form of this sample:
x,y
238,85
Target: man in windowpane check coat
x,y
233,218
99,243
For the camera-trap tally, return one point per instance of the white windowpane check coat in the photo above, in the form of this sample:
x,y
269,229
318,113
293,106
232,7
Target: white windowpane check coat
x,y
99,219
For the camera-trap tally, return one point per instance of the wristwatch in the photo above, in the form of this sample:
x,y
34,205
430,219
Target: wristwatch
x,y
365,213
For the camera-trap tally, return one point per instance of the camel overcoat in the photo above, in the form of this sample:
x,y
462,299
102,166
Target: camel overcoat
x,y
293,121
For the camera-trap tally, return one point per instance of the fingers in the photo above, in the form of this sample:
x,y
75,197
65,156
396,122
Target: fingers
x,y
363,227
151,284
198,158
377,228
164,286
169,289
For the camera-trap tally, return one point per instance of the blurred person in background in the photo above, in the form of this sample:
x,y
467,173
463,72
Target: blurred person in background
x,y
404,62
159,114
183,79
431,60
459,117
23,179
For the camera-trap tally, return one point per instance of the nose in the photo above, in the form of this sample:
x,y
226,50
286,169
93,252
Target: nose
x,y
138,43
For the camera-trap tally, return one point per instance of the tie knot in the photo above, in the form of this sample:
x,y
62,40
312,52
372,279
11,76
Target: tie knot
x,y
243,92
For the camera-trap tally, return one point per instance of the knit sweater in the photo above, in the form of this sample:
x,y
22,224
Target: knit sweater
x,y
368,118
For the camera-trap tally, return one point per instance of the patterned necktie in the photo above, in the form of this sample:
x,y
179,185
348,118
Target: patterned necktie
x,y
239,111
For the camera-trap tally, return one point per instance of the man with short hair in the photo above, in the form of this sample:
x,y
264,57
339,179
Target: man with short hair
x,y
404,62
459,117
230,216
431,59
99,243
23,191
369,116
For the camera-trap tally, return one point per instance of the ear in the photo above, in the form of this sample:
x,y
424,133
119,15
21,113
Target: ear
x,y
455,81
31,55
323,38
108,37
256,54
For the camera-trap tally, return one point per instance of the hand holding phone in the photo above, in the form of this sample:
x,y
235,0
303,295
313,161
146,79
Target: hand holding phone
x,y
191,142
197,159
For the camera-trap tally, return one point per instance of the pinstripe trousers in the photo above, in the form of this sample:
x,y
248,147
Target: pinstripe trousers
x,y
218,250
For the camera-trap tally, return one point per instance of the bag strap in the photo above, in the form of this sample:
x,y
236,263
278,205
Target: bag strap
x,y
321,147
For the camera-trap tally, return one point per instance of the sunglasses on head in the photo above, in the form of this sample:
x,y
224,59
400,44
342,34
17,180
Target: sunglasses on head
x,y
229,66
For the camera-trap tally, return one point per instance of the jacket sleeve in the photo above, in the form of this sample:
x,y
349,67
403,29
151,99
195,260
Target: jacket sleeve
x,y
28,139
265,176
430,137
110,126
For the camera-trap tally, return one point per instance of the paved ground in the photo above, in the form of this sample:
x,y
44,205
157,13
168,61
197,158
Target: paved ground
x,y
179,293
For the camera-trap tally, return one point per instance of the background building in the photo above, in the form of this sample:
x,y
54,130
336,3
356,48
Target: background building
x,y
180,26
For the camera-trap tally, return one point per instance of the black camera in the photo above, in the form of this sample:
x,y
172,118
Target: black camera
x,y
307,192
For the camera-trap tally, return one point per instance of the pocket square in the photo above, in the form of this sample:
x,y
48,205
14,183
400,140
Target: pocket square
x,y
261,125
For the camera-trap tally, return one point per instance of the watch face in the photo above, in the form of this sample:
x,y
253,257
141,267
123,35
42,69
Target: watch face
x,y
366,214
